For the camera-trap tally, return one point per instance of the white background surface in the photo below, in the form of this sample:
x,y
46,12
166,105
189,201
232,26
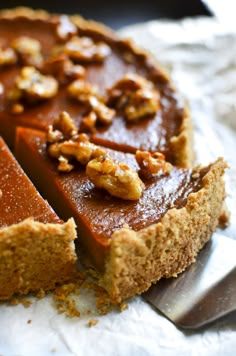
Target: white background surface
x,y
201,54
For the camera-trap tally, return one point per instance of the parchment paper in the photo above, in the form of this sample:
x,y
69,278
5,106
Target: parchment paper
x,y
201,55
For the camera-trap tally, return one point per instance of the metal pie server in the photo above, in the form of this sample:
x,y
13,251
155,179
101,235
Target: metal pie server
x,y
205,292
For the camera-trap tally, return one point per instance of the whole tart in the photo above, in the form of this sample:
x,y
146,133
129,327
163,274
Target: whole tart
x,y
131,243
105,60
64,79
36,246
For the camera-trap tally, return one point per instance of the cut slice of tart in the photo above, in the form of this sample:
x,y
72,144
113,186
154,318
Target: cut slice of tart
x,y
36,246
55,52
132,243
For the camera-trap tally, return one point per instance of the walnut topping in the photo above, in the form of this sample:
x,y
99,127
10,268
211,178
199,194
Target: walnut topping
x,y
104,114
65,29
28,50
64,165
80,150
7,57
82,91
65,124
67,145
152,164
33,86
61,67
88,94
86,50
88,122
116,177
135,95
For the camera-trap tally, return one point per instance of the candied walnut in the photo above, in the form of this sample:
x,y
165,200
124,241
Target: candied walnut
x,y
82,91
115,177
104,114
7,57
63,69
131,82
64,165
79,149
135,95
88,94
65,124
28,50
65,28
34,86
88,122
86,50
143,102
152,164
52,135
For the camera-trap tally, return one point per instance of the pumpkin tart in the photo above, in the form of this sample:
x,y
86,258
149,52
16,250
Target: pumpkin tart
x,y
99,128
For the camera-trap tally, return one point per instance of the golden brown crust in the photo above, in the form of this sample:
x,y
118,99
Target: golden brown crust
x,y
26,12
138,259
36,256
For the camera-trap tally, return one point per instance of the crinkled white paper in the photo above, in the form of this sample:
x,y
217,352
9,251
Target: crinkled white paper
x,y
201,55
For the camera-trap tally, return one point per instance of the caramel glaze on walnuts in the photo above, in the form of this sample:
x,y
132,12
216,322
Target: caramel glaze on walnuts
x,y
69,146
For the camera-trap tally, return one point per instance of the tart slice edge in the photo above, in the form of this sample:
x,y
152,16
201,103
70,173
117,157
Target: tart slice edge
x,y
138,259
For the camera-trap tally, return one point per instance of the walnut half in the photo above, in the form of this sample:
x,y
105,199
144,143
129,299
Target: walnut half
x,y
115,177
34,86
152,164
135,96
84,49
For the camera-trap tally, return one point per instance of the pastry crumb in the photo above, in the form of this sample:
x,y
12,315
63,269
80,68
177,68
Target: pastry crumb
x,y
41,294
29,321
123,306
20,300
25,302
92,322
63,299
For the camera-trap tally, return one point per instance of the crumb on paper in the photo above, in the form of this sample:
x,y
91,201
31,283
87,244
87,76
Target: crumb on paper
x,y
92,322
20,300
29,321
66,303
41,294
123,306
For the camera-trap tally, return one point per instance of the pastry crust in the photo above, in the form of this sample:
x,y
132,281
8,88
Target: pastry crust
x,y
36,256
138,259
